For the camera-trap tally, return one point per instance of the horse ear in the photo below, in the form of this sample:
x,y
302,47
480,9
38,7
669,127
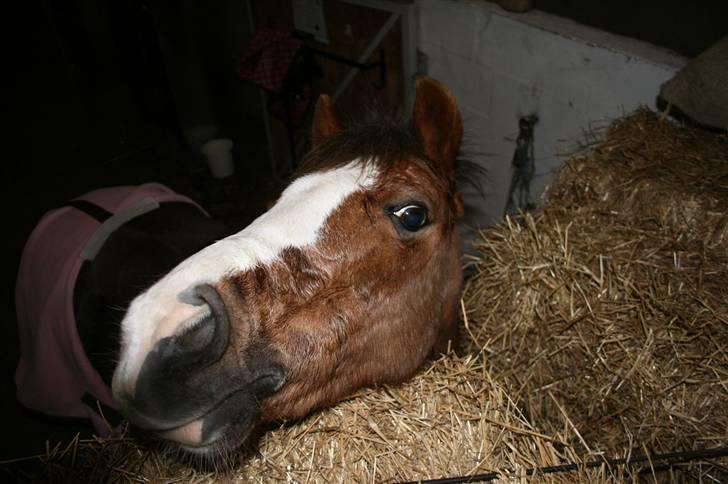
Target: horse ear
x,y
325,123
437,121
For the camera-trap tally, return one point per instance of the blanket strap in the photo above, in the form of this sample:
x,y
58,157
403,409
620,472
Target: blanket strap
x,y
91,209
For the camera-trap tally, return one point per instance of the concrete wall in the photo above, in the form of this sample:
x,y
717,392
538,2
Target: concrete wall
x,y
501,66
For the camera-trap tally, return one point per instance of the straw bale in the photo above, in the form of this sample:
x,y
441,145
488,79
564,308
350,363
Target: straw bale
x,y
606,312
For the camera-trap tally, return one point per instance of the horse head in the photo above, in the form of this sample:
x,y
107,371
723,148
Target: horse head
x,y
352,278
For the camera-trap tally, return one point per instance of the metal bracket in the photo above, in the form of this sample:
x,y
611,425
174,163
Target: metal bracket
x,y
382,64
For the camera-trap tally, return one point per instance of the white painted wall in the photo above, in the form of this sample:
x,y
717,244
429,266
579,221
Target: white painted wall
x,y
501,65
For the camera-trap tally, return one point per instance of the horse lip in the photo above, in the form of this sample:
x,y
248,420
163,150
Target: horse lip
x,y
162,428
145,422
185,441
153,425
210,445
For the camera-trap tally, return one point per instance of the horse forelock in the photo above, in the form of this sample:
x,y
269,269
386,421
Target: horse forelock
x,y
381,140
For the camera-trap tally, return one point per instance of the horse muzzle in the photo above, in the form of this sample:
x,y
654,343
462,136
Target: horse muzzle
x,y
193,387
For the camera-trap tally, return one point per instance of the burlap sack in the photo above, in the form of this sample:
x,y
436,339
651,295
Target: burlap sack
x,y
700,89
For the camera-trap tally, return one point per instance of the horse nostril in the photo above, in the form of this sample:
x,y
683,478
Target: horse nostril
x,y
173,382
197,334
207,338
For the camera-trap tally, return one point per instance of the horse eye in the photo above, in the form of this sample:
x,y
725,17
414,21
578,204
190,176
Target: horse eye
x,y
411,217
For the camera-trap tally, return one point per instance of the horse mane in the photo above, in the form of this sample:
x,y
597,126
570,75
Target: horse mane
x,y
470,173
383,138
379,138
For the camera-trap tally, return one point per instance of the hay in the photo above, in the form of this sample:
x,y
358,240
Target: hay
x,y
606,313
596,328
451,419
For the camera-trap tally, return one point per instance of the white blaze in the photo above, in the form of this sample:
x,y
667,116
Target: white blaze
x,y
294,221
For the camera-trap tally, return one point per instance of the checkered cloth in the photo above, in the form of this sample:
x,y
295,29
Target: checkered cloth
x,y
269,58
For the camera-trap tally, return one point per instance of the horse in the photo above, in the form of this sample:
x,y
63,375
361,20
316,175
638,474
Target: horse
x,y
352,278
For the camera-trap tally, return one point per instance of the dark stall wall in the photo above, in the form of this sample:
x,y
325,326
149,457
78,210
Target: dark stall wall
x,y
108,93
77,98
202,43
97,81
685,26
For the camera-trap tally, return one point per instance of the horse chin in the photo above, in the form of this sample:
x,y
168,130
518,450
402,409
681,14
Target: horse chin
x,y
210,441
220,452
218,456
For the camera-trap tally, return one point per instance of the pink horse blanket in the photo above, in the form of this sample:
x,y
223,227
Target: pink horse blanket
x,y
53,373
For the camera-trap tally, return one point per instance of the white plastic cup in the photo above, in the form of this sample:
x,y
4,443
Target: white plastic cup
x,y
219,154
